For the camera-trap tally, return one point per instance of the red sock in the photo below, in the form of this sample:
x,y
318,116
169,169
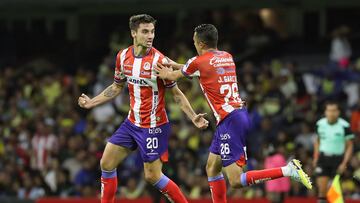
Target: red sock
x,y
218,191
108,189
173,193
259,176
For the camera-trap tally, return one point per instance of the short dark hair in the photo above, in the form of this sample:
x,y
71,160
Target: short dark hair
x,y
208,34
136,20
331,103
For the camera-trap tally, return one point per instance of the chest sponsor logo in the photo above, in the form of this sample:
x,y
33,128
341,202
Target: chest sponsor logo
x,y
136,81
145,73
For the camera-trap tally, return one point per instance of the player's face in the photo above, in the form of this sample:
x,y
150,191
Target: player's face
x,y
144,35
332,113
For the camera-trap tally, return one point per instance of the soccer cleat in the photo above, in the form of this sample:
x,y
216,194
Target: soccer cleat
x,y
297,173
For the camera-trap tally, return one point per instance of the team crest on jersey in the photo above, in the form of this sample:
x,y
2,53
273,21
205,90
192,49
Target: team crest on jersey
x,y
147,66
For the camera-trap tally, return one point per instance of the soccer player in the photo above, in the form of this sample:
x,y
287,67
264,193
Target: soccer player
x,y
147,127
217,76
332,149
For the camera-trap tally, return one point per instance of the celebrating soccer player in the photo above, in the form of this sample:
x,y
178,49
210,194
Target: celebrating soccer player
x,y
217,76
147,127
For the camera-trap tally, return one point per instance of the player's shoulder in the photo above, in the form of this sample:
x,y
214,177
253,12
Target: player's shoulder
x,y
161,57
192,60
124,51
321,121
343,123
155,51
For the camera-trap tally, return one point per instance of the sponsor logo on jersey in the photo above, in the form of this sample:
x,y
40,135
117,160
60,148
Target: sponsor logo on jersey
x,y
145,73
136,81
221,61
147,66
220,71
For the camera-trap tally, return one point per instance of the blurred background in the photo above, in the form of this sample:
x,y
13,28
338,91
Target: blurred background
x,y
291,56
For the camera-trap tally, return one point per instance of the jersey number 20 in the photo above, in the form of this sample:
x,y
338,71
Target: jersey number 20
x,y
152,143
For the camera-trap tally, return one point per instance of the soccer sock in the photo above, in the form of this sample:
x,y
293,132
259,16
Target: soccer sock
x,y
217,188
170,190
259,176
108,186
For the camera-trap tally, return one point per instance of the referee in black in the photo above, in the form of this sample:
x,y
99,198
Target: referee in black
x,y
333,148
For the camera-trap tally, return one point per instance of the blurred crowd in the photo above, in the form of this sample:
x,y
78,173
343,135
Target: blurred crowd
x,y
51,147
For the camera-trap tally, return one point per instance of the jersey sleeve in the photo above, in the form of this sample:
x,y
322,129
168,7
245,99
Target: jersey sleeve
x,y
190,69
119,75
348,133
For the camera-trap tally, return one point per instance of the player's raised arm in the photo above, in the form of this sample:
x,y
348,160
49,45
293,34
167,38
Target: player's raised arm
x,y
165,72
109,93
198,119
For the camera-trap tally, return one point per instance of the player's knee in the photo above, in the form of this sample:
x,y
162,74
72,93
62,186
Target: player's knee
x,y
107,165
235,183
151,176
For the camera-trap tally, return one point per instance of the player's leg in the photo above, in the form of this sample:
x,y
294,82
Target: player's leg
x,y
117,149
216,179
153,146
112,157
322,185
154,176
233,131
239,179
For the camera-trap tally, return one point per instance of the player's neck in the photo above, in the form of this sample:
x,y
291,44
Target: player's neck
x,y
140,51
208,50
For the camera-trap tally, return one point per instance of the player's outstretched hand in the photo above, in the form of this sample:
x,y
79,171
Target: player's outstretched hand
x,y
200,122
162,71
172,64
84,101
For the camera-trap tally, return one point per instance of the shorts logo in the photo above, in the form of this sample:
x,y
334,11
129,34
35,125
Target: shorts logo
x,y
225,136
147,66
155,130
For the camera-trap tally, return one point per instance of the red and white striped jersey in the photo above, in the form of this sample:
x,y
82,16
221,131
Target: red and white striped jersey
x,y
217,76
147,91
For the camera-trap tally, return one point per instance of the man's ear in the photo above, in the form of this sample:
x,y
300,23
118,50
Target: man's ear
x,y
133,33
202,45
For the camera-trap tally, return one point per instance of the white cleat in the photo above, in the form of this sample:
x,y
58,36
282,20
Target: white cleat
x,y
298,174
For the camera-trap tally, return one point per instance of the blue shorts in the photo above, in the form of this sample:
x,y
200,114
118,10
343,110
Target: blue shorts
x,y
229,140
151,142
